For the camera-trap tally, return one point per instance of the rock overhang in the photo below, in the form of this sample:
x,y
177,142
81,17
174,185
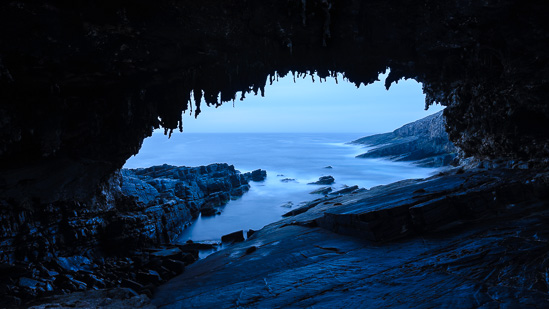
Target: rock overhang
x,y
83,83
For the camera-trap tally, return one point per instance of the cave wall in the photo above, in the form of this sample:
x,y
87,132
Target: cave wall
x,y
83,82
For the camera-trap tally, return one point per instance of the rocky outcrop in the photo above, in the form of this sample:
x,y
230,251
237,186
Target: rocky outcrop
x,y
188,190
323,180
479,233
256,175
72,247
424,141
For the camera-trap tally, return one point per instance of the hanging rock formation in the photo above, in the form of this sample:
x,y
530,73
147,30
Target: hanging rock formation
x,y
82,83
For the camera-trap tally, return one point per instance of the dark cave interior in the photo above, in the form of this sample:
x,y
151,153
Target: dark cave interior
x,y
82,83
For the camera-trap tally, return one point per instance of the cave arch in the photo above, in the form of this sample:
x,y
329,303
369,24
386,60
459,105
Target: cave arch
x,y
83,83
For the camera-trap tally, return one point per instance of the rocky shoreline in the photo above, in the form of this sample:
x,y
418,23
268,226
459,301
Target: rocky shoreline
x,y
468,237
423,142
123,240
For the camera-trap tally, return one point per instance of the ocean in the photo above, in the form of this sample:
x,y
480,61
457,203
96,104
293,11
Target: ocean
x,y
300,157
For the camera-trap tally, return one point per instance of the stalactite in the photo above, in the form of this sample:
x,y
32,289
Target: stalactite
x,y
304,12
326,7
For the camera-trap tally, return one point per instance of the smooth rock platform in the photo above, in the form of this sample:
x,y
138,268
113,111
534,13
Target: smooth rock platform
x,y
384,248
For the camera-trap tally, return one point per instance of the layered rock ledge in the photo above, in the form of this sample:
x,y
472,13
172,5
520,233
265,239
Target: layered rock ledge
x,y
466,238
424,142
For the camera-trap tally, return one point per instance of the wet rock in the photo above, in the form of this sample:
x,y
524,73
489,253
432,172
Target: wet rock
x,y
30,283
323,190
461,229
288,180
256,175
250,233
168,253
190,245
118,298
127,283
176,266
208,211
287,205
344,190
233,237
251,250
324,180
149,276
74,263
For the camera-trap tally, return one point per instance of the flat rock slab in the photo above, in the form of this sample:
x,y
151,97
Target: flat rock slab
x,y
489,263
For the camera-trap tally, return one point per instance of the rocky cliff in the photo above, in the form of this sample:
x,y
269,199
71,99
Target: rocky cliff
x,y
424,141
70,247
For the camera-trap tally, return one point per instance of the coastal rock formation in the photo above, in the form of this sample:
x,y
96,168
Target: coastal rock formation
x,y
82,83
71,247
256,175
323,180
187,190
467,239
424,141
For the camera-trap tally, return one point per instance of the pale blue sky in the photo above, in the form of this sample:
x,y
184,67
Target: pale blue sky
x,y
305,106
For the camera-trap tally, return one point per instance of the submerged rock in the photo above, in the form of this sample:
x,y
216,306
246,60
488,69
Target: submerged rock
x,y
287,205
288,180
324,180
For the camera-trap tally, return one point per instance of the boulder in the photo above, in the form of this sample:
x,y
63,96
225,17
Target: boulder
x,y
233,237
324,180
208,211
257,175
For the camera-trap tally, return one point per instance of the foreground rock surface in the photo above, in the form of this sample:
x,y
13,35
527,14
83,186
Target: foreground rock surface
x,y
424,141
474,238
115,240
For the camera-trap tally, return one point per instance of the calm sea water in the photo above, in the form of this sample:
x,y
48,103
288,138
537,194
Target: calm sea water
x,y
302,156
